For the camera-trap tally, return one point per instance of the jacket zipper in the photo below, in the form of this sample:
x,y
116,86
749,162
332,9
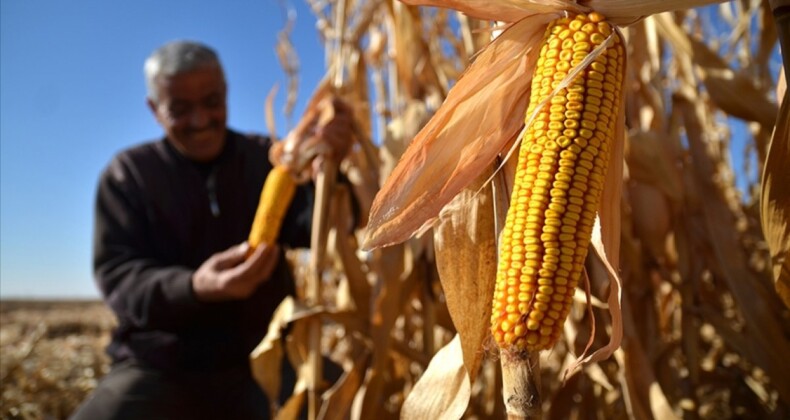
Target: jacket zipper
x,y
211,186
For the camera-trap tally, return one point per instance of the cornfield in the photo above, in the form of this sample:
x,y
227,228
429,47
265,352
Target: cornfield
x,y
682,316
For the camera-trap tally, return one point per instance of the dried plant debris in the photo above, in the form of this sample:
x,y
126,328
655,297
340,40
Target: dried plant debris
x,y
51,355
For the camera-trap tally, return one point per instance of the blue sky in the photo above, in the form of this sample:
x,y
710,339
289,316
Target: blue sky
x,y
72,94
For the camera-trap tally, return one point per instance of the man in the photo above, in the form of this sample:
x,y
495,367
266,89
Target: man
x,y
171,221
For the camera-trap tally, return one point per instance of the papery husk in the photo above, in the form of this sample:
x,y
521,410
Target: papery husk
x,y
621,12
466,258
775,188
269,354
502,10
605,242
337,401
444,389
625,12
464,136
775,202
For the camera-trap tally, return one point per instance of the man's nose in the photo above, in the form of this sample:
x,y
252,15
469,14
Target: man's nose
x,y
198,118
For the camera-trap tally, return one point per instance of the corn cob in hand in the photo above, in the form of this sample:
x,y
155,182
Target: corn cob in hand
x,y
276,195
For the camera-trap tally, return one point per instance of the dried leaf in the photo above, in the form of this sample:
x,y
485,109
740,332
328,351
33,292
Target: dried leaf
x,y
733,92
268,355
644,391
338,399
464,136
626,12
502,10
268,112
465,243
293,407
444,389
765,330
606,242
386,310
775,202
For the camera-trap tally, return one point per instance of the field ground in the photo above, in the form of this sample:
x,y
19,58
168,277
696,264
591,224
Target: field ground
x,y
51,355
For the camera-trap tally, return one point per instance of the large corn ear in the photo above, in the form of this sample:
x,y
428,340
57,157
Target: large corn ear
x,y
276,195
559,179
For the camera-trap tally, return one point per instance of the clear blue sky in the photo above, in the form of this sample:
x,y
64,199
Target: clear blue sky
x,y
72,94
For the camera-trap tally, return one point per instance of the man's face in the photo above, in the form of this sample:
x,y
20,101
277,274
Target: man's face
x,y
191,108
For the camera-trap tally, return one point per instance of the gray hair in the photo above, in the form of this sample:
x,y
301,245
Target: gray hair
x,y
177,57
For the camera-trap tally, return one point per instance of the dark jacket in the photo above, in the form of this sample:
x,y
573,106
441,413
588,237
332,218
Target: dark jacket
x,y
158,217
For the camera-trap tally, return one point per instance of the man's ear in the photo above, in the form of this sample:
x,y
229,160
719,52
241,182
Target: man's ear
x,y
153,107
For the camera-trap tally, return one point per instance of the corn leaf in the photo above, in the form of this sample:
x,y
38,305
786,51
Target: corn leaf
x,y
444,389
465,243
464,136
775,202
503,10
625,12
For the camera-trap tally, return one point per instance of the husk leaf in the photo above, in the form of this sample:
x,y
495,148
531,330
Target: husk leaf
x,y
775,202
444,389
465,244
463,137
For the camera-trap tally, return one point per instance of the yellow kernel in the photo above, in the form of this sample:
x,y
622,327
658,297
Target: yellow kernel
x,y
519,330
598,67
596,17
597,38
533,324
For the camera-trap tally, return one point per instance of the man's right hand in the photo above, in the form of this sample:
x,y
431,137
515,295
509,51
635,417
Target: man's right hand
x,y
230,275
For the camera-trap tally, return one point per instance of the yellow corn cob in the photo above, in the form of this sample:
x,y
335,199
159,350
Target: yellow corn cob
x,y
561,168
276,195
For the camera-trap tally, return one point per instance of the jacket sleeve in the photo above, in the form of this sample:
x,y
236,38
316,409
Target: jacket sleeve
x,y
142,291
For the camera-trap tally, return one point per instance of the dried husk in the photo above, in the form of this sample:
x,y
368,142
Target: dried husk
x,y
465,244
775,202
775,188
464,136
443,390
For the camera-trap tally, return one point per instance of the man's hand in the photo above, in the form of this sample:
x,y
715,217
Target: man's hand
x,y
229,275
325,131
334,127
